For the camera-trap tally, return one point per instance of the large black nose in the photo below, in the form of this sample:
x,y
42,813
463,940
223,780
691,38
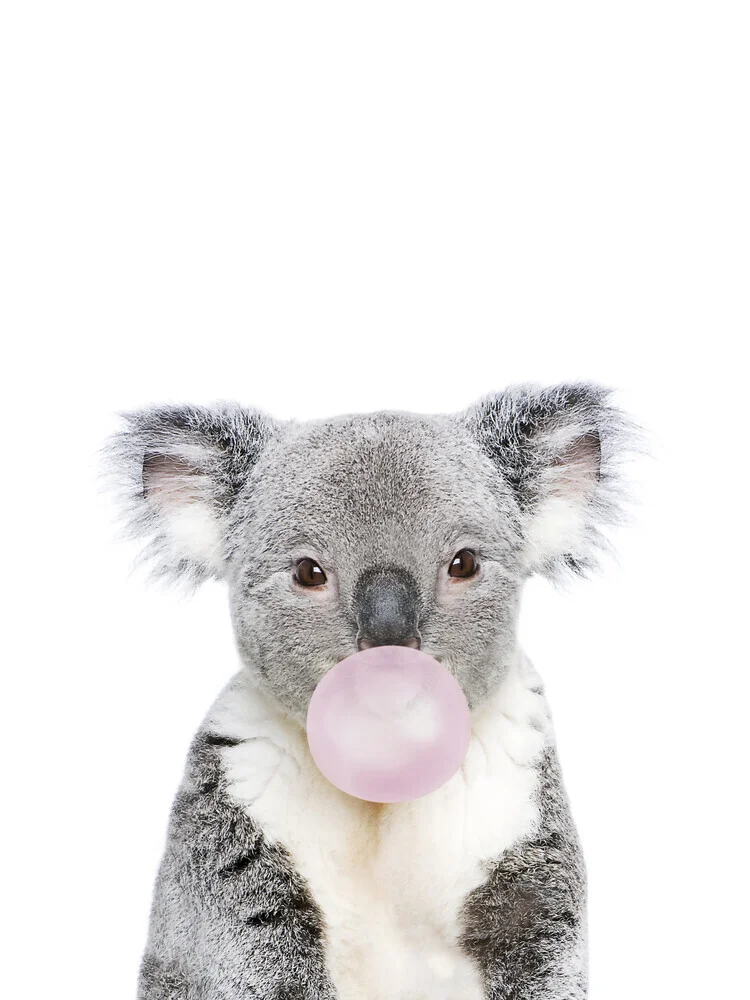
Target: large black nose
x,y
386,607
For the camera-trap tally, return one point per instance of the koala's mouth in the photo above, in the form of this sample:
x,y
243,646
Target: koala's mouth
x,y
413,642
363,646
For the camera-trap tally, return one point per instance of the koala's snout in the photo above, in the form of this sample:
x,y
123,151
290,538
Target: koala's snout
x,y
387,605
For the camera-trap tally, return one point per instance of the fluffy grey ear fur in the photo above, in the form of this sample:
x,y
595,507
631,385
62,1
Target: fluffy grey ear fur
x,y
559,449
178,471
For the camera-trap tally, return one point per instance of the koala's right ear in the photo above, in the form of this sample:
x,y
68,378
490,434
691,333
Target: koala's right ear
x,y
178,471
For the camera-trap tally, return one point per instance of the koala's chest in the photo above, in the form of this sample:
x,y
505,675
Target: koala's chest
x,y
391,880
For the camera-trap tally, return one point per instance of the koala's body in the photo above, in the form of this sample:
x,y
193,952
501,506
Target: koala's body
x,y
336,535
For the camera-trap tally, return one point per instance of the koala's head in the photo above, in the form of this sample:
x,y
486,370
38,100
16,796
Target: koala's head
x,y
370,529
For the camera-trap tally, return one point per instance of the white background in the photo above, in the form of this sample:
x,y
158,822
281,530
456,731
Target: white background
x,y
319,208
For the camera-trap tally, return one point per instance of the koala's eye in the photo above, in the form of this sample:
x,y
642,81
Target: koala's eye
x,y
464,564
309,574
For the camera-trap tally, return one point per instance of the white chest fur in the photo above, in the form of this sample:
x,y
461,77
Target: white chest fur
x,y
391,879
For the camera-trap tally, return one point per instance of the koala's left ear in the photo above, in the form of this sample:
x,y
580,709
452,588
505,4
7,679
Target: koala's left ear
x,y
179,470
558,449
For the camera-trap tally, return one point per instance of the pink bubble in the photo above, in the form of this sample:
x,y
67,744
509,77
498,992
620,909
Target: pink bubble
x,y
388,724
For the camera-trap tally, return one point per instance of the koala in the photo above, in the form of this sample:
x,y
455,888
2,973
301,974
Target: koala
x,y
334,535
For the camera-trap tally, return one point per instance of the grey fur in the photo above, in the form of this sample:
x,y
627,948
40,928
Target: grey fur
x,y
526,926
230,916
356,494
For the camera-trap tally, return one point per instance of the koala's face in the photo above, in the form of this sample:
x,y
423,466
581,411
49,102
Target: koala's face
x,y
374,529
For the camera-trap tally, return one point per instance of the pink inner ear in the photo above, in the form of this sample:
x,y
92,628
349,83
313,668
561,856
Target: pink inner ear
x,y
578,467
169,478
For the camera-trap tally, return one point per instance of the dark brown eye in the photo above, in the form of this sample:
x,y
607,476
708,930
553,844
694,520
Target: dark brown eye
x,y
464,564
309,574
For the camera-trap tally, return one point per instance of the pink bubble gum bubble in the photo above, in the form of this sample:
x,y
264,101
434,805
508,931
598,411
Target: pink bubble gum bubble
x,y
388,724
